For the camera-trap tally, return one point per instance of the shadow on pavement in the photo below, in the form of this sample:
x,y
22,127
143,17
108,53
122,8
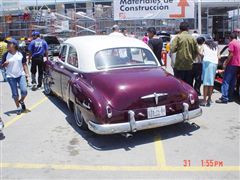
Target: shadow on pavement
x,y
9,113
2,137
117,141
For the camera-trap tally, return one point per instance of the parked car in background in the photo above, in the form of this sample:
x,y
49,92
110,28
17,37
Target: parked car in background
x,y
220,70
116,85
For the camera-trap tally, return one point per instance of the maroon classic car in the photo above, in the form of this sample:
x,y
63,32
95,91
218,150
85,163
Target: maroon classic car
x,y
116,85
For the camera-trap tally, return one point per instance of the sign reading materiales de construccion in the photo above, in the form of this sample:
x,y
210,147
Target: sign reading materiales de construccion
x,y
153,9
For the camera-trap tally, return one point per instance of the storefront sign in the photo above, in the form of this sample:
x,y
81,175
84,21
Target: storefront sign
x,y
153,9
9,5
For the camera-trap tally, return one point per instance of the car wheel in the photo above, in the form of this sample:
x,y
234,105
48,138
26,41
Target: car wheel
x,y
79,118
47,86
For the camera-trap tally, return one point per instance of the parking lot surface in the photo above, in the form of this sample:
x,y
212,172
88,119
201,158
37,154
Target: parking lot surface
x,y
45,143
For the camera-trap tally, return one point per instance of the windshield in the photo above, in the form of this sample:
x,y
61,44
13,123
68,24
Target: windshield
x,y
124,57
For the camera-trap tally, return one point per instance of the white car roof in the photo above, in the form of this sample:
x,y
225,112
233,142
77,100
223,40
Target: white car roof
x,y
88,46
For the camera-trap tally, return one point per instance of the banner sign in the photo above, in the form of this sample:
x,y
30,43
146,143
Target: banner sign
x,y
153,9
9,5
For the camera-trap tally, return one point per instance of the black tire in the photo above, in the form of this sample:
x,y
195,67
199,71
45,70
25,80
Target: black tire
x,y
238,90
80,122
47,86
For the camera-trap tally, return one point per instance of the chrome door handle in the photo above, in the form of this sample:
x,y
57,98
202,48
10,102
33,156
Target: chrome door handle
x,y
62,67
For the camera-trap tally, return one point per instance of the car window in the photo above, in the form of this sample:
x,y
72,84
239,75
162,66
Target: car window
x,y
72,58
124,57
63,53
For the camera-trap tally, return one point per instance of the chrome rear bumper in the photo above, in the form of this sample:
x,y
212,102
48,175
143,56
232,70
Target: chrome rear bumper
x,y
133,126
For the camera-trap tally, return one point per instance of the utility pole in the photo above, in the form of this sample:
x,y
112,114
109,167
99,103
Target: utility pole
x,y
238,16
207,20
200,16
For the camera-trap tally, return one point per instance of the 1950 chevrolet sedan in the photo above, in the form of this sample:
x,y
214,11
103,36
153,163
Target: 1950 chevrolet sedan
x,y
116,85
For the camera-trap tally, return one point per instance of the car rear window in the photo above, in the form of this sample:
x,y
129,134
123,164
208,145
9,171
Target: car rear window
x,y
124,57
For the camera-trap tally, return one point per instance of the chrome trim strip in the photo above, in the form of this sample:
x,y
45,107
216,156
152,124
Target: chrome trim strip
x,y
154,95
133,125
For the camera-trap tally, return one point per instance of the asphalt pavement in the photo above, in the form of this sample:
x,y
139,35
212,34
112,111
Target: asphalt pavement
x,y
45,143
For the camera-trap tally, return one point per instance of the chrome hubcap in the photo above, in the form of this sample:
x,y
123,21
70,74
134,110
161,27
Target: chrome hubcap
x,y
78,116
47,88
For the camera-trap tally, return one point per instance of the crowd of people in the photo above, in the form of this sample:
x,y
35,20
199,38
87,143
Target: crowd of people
x,y
194,61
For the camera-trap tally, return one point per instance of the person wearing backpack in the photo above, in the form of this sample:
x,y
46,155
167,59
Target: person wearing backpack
x,y
15,63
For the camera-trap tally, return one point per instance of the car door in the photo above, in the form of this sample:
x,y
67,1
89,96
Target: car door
x,y
70,71
58,66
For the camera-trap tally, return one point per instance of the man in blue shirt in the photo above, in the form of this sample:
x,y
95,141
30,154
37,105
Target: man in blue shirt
x,y
38,48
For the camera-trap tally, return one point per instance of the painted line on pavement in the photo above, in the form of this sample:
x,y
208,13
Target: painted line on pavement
x,y
10,122
159,152
115,168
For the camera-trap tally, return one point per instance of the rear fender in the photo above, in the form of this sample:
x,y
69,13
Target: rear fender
x,y
91,102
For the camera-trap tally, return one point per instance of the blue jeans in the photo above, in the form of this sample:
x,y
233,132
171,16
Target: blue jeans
x,y
21,81
229,81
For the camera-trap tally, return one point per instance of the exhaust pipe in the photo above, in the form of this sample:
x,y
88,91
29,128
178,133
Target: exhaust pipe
x,y
127,135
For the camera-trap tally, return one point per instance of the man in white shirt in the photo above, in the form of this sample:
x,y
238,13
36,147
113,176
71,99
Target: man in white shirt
x,y
116,31
195,34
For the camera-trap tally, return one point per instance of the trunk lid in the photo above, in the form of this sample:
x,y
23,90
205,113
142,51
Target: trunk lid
x,y
134,88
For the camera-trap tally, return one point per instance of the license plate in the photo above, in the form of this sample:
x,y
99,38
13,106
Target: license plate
x,y
154,112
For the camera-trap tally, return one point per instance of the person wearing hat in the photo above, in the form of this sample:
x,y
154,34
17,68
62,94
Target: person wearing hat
x,y
15,63
38,48
116,31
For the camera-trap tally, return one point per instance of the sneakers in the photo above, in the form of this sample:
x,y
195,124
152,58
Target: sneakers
x,y
204,104
19,110
221,101
22,105
34,87
39,86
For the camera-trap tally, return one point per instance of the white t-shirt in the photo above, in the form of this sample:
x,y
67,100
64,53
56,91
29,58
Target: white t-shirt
x,y
210,54
15,67
195,35
116,34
